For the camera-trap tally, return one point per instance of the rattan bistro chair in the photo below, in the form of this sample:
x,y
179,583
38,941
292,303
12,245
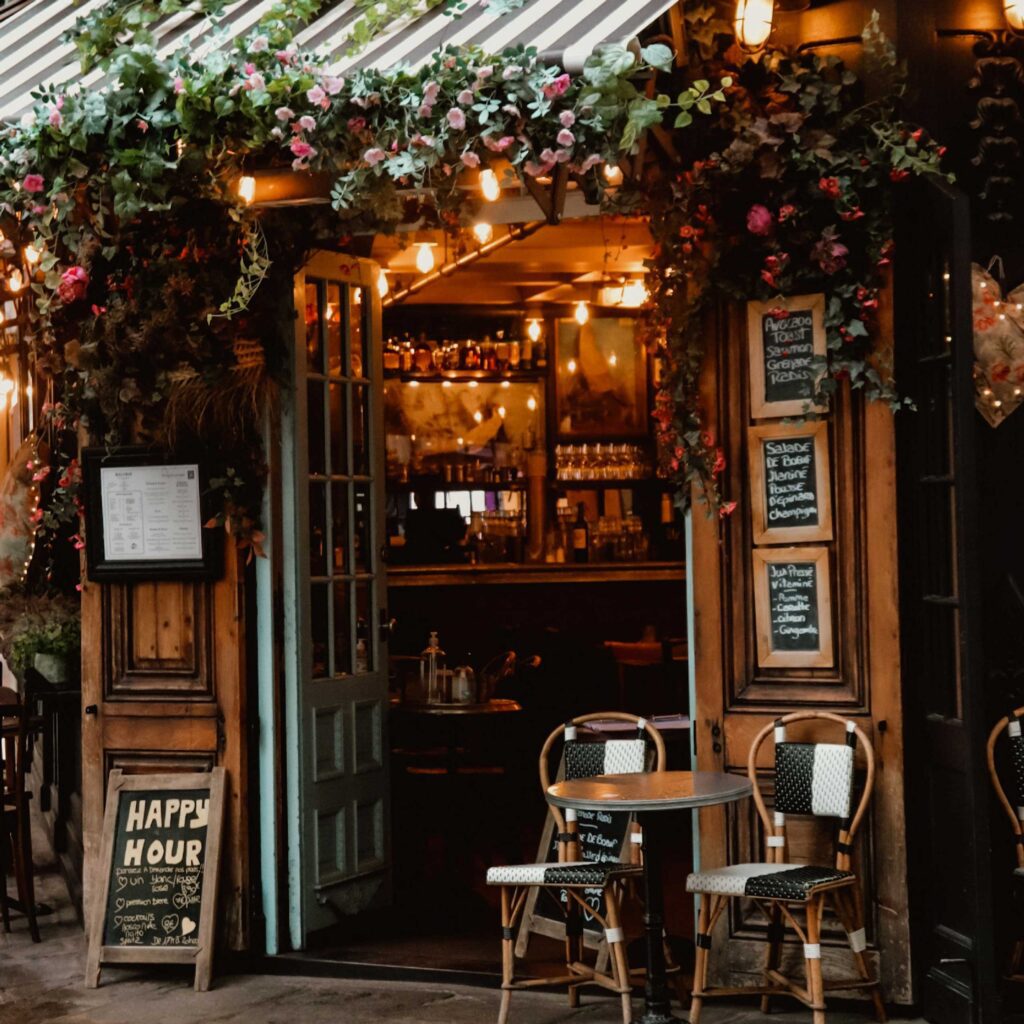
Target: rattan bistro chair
x,y
1011,723
810,779
573,875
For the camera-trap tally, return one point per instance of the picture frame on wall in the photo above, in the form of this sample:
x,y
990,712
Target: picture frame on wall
x,y
600,380
793,607
145,516
790,482
787,346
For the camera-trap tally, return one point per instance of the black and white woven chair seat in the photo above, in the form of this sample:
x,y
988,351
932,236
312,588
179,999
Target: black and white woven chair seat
x,y
793,883
585,873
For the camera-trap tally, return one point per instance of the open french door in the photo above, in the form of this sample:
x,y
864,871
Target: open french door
x,y
948,793
335,646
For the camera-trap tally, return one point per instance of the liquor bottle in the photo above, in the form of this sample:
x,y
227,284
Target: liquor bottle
x,y
432,670
471,356
391,355
488,356
540,354
580,536
670,542
515,354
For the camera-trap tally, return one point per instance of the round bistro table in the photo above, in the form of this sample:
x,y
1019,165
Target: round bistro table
x,y
647,794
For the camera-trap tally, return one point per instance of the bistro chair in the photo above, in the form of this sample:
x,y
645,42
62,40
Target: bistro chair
x,y
573,875
1015,812
15,824
810,779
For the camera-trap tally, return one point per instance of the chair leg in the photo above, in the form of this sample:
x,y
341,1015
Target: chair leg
x,y
507,955
5,908
700,964
847,903
815,984
776,928
617,949
573,945
26,880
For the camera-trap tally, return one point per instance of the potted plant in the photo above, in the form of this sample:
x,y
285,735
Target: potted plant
x,y
51,648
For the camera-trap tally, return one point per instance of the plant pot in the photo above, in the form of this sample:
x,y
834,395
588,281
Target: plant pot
x,y
53,667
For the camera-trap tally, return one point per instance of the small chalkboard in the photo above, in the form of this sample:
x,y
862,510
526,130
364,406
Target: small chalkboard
x,y
157,900
789,481
787,351
793,607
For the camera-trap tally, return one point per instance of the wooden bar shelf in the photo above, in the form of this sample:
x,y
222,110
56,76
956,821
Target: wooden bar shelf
x,y
466,376
541,572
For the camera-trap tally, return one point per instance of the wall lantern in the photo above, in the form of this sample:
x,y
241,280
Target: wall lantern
x,y
489,185
1013,11
753,24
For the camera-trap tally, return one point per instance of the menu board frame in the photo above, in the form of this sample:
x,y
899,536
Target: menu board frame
x,y
763,533
760,406
767,657
108,568
201,954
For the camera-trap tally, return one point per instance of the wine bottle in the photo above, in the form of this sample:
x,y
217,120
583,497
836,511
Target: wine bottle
x,y
580,536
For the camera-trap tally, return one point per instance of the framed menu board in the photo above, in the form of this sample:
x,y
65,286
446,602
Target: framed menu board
x,y
786,340
793,607
791,496
145,516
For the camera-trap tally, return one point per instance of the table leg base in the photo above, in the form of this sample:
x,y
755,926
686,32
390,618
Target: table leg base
x,y
657,1017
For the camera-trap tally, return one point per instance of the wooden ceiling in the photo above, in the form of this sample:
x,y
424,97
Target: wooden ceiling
x,y
567,262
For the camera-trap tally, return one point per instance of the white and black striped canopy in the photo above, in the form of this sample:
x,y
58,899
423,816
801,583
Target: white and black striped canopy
x,y
566,31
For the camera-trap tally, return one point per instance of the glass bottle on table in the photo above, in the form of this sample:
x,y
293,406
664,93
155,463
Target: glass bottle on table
x,y
580,536
432,669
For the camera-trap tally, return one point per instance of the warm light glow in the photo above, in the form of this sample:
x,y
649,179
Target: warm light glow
x,y
247,188
571,366
533,330
473,384
6,385
531,404
613,174
489,185
478,416
501,411
15,282
32,255
1014,11
613,360
634,293
446,383
582,313
460,441
425,257
2,318
483,231
753,23
506,384
414,383
382,283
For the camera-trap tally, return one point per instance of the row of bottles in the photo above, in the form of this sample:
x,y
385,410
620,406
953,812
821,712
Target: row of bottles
x,y
500,354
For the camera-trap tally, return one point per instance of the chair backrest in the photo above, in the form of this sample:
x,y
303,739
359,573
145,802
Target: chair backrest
x,y
813,779
1015,808
583,759
13,744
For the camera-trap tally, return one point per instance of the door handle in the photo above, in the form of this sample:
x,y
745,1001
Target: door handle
x,y
91,709
385,627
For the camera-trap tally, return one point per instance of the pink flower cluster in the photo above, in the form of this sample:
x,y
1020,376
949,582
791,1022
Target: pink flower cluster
x,y
74,283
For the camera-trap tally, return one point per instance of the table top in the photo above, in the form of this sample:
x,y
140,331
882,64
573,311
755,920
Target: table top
x,y
650,791
499,705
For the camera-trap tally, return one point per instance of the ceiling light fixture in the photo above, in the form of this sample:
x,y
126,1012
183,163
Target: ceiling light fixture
x,y
753,23
1013,11
484,232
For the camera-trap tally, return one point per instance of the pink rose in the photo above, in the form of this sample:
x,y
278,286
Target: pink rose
x,y
259,44
33,183
284,113
303,150
466,97
356,124
316,95
56,118
307,123
566,118
332,84
760,220
830,253
557,88
73,285
547,156
470,159
179,85
249,68
430,92
285,56
456,119
498,145
591,161
255,83
374,156
565,137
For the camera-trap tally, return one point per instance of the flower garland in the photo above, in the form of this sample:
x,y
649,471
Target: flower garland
x,y
790,192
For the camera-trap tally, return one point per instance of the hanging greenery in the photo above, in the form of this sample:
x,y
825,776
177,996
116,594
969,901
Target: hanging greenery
x,y
788,190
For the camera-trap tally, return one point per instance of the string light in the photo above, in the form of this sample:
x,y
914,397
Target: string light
x,y
247,188
382,283
501,411
531,404
489,185
613,360
1013,10
478,416
582,313
15,282
425,257
571,366
753,24
506,384
484,232
613,174
533,330
446,383
473,384
32,255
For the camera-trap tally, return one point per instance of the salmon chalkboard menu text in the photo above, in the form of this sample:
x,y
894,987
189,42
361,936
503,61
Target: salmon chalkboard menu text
x,y
787,351
790,485
793,607
161,844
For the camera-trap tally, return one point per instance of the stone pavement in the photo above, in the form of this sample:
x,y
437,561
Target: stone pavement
x,y
42,984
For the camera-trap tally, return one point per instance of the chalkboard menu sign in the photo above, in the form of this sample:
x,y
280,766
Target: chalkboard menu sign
x,y
787,346
793,607
789,477
161,840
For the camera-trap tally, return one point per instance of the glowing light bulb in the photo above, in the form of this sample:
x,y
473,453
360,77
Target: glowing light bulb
x,y
506,384
478,416
474,384
613,360
414,383
15,282
32,255
446,383
533,330
424,257
582,313
613,174
247,188
382,284
489,185
571,366
484,232
753,24
634,293
501,411
1014,13
531,404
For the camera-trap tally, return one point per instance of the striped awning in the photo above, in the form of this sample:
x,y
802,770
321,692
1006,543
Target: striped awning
x,y
564,31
